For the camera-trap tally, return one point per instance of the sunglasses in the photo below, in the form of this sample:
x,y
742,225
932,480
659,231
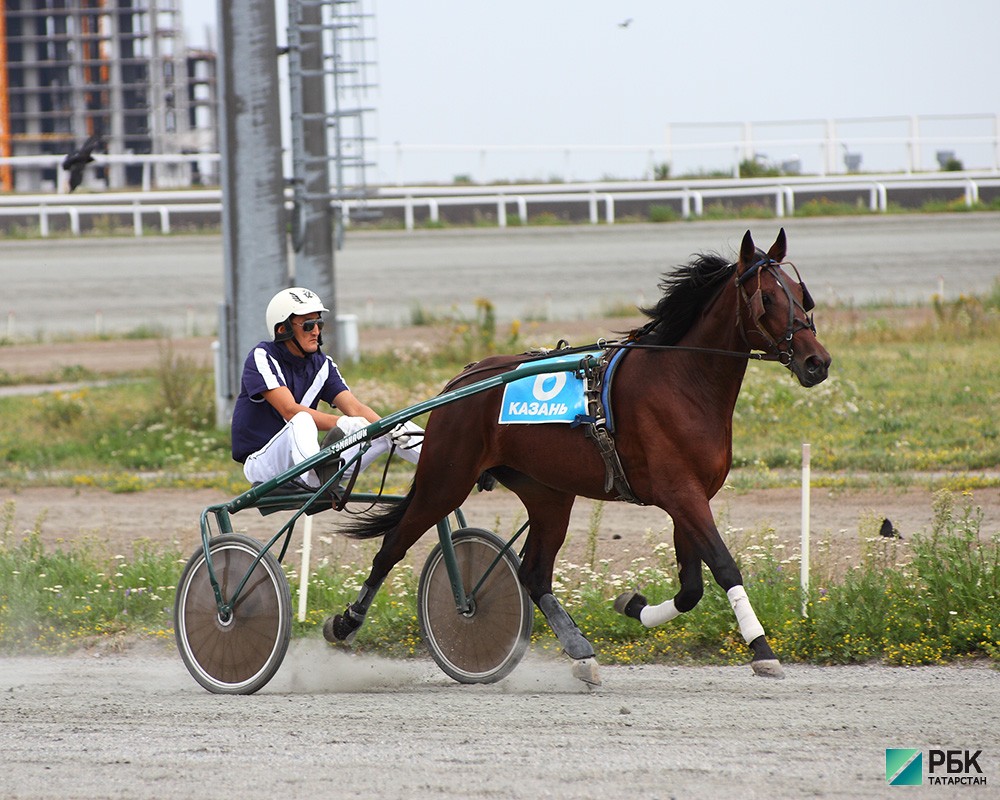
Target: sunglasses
x,y
309,324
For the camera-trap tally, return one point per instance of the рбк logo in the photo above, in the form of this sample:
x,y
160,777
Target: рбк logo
x,y
961,768
904,766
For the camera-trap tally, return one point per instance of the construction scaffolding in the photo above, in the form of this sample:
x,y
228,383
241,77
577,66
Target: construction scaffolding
x,y
332,45
115,69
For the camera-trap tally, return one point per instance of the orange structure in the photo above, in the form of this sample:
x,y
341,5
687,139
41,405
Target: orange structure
x,y
6,178
70,69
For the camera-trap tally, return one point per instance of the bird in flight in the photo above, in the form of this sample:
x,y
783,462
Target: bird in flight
x,y
75,162
625,23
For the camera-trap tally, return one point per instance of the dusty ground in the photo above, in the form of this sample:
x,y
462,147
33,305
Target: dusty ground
x,y
331,725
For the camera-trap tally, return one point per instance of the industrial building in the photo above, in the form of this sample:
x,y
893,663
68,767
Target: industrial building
x,y
115,69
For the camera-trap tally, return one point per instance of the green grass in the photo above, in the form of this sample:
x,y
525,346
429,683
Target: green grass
x,y
59,600
900,399
931,600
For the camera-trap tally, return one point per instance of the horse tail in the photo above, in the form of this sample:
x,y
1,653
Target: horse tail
x,y
379,522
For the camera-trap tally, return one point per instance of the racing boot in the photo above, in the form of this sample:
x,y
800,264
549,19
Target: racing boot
x,y
330,468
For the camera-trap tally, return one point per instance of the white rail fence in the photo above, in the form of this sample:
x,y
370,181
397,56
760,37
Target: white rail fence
x,y
600,199
910,144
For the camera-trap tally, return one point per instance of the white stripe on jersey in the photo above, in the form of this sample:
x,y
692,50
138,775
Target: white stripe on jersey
x,y
313,391
268,369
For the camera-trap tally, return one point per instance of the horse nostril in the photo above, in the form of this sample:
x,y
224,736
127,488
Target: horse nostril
x,y
816,366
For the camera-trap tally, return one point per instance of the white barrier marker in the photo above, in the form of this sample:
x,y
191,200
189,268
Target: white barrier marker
x,y
804,568
307,530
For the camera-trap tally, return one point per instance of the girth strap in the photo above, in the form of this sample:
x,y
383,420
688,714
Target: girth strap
x,y
597,428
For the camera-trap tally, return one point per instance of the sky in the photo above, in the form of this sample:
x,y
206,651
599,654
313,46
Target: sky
x,y
567,74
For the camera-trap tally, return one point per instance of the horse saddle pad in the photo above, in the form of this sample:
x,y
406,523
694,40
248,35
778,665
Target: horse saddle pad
x,y
550,397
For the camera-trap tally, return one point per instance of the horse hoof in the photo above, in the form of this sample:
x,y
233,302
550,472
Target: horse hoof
x,y
768,668
630,604
585,669
328,631
339,630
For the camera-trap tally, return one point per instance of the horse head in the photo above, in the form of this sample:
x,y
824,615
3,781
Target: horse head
x,y
774,311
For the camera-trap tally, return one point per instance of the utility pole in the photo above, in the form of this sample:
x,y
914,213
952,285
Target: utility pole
x,y
253,214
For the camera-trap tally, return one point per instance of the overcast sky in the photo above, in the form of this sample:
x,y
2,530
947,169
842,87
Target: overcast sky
x,y
571,72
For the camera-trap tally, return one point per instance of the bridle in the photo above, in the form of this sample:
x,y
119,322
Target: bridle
x,y
779,350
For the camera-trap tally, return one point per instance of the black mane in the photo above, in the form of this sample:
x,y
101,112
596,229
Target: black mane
x,y
686,290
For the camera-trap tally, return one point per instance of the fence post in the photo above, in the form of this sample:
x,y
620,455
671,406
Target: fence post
x,y
408,213
971,192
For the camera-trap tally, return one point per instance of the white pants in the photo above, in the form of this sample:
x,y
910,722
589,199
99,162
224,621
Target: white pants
x,y
299,440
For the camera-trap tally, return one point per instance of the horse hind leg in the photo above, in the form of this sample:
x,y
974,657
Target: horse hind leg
x,y
428,502
635,605
548,517
574,643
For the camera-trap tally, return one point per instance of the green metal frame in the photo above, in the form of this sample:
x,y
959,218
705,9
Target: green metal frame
x,y
268,498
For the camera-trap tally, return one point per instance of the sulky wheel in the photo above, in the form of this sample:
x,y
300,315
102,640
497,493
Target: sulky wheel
x,y
240,654
485,644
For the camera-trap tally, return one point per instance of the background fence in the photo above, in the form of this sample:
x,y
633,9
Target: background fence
x,y
601,202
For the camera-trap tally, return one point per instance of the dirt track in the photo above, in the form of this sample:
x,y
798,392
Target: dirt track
x,y
331,725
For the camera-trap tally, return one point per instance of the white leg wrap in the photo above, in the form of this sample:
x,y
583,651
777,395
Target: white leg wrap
x,y
651,616
750,627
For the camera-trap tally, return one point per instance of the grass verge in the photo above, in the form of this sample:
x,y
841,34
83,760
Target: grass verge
x,y
928,600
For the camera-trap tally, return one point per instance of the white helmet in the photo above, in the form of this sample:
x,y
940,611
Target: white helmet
x,y
286,303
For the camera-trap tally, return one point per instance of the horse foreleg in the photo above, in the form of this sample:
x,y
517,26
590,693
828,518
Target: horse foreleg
x,y
691,552
635,605
727,575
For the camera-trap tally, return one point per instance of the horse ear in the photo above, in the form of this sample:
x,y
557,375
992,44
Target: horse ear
x,y
748,251
807,299
779,248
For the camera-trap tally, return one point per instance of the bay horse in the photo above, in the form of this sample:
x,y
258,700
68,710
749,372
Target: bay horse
x,y
673,398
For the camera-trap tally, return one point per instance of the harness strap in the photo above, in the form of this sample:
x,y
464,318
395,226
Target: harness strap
x,y
596,384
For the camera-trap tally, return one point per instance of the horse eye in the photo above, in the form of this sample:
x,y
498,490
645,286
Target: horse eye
x,y
768,299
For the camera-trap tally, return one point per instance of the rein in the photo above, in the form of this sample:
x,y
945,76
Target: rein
x,y
605,344
777,353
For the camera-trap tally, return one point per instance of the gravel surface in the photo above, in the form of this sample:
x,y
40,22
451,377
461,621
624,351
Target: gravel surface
x,y
135,725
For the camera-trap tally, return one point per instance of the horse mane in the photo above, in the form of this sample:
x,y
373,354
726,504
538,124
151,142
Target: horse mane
x,y
686,291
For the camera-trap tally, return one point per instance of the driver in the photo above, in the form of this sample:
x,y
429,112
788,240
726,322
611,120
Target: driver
x,y
276,421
